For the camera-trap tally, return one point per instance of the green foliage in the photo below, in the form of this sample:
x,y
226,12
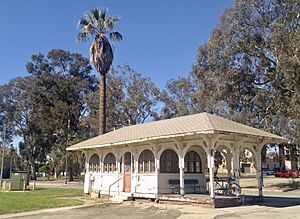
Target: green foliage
x,y
96,24
40,105
293,155
12,161
44,169
131,99
248,70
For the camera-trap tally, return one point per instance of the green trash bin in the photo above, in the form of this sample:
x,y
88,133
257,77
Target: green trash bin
x,y
17,180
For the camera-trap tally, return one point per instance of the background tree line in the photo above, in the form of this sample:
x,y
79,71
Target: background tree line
x,y
247,71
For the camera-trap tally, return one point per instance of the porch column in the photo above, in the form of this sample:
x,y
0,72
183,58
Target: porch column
x,y
228,158
87,166
181,172
156,174
259,174
136,170
101,169
236,164
87,181
210,163
120,173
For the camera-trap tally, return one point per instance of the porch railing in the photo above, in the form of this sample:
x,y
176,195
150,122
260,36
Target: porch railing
x,y
109,188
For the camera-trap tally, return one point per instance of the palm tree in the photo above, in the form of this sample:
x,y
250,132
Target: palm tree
x,y
97,25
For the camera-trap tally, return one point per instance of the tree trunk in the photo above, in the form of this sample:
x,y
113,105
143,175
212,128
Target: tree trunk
x,y
71,173
294,163
56,173
102,104
293,156
281,157
32,170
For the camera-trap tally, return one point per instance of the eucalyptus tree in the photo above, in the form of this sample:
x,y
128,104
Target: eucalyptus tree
x,y
131,97
31,120
251,64
97,25
248,70
46,107
63,80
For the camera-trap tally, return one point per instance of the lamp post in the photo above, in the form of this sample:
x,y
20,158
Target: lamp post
x,y
66,166
3,152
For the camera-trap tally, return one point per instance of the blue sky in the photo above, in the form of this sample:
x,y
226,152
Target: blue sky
x,y
160,36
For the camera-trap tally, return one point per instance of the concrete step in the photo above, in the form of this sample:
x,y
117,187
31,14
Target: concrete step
x,y
122,197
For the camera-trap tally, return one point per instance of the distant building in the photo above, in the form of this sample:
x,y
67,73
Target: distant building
x,y
292,157
271,163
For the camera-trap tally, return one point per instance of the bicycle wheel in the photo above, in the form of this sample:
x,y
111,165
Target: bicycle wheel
x,y
234,189
218,188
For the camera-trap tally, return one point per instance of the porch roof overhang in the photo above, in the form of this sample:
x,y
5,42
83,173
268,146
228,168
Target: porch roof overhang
x,y
186,126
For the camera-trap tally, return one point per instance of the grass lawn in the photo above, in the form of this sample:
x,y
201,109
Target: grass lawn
x,y
12,202
51,178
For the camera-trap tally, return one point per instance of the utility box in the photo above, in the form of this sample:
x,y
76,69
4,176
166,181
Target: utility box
x,y
19,179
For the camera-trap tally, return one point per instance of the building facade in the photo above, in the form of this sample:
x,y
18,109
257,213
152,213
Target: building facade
x,y
169,156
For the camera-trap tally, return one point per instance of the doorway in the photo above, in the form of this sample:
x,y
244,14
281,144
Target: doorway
x,y
127,172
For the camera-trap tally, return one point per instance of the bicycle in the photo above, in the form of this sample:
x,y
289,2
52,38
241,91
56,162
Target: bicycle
x,y
229,187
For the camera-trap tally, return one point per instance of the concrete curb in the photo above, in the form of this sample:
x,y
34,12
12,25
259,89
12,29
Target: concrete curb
x,y
264,190
48,210
271,190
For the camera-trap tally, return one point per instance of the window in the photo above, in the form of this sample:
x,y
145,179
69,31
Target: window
x,y
192,163
127,161
94,163
169,162
146,162
110,163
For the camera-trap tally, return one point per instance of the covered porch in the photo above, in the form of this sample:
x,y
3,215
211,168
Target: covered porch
x,y
174,156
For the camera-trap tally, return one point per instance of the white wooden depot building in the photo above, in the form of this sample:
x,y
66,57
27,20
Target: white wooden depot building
x,y
169,156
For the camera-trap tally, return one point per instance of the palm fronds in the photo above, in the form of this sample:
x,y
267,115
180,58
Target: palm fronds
x,y
115,36
95,23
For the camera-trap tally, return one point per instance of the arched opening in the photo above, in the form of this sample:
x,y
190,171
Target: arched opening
x,y
146,162
192,163
247,162
110,163
94,163
223,161
169,162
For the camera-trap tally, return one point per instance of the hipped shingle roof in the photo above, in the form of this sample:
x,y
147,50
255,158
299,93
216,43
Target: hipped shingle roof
x,y
202,123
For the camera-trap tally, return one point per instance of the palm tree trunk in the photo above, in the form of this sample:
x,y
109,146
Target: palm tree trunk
x,y
102,104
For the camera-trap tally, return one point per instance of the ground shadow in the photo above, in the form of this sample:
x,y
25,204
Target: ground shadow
x,y
279,202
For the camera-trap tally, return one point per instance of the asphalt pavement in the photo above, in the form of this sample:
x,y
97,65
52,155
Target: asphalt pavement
x,y
276,205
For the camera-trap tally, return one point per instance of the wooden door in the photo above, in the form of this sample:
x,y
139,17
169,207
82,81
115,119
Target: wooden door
x,y
127,172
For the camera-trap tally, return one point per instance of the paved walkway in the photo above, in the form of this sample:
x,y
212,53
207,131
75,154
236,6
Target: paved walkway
x,y
277,205
111,211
